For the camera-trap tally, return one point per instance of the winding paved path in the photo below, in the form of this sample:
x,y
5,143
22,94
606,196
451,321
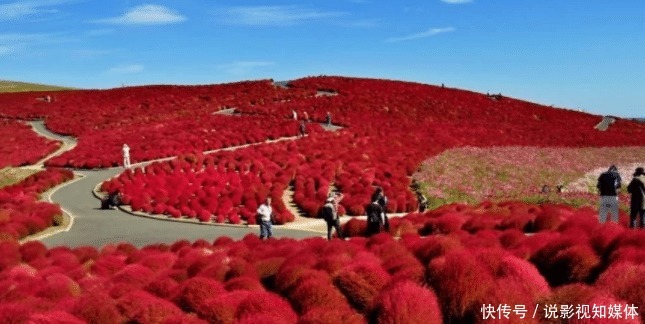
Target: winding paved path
x,y
90,225
93,226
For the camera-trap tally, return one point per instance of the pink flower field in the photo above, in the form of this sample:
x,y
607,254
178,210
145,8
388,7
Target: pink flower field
x,y
473,174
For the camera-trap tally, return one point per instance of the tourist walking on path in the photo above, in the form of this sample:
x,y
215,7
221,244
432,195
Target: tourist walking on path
x,y
329,213
305,116
126,156
328,119
423,202
421,198
637,204
264,219
295,115
608,183
302,129
379,196
375,218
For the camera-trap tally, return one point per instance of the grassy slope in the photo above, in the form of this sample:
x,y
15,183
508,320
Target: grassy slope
x,y
9,176
13,86
517,173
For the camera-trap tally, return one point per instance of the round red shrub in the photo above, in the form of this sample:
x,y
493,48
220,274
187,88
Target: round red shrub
x,y
265,305
54,317
460,282
431,247
195,291
406,302
361,283
244,283
324,315
625,281
223,307
32,250
571,264
354,227
9,254
142,307
314,293
96,307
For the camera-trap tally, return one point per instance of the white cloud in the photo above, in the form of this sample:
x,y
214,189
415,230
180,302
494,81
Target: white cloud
x,y
7,49
243,67
456,1
126,69
21,9
275,15
428,33
146,15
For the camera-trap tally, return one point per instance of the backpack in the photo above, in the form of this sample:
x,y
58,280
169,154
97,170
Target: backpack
x,y
327,213
374,213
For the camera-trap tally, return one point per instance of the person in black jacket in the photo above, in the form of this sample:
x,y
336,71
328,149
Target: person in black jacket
x,y
608,183
637,204
374,218
380,197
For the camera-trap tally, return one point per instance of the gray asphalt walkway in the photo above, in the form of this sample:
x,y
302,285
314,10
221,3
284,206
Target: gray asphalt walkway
x,y
93,226
96,227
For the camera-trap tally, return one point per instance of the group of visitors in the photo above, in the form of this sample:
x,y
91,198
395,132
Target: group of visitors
x,y
376,213
608,185
302,127
377,219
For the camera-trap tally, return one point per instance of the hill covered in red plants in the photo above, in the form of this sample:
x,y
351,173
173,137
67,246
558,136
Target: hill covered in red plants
x,y
389,128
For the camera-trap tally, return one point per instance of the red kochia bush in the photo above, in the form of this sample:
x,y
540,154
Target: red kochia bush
x,y
525,274
96,307
625,281
222,308
562,263
324,315
143,307
361,283
434,246
314,293
406,302
460,282
54,317
194,292
9,254
259,305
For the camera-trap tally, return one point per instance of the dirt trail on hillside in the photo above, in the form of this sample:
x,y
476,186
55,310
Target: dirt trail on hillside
x,y
589,180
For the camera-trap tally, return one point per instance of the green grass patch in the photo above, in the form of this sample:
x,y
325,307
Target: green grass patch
x,y
14,86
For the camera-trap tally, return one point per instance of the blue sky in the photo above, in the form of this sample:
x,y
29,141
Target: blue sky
x,y
579,54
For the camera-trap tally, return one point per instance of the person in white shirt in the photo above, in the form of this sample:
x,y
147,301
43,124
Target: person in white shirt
x,y
295,115
126,156
264,219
